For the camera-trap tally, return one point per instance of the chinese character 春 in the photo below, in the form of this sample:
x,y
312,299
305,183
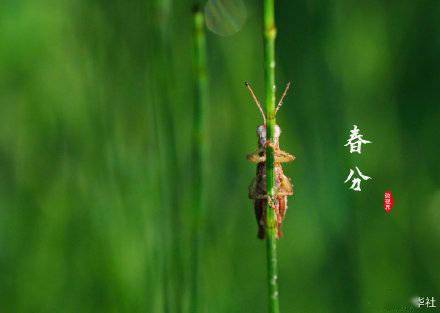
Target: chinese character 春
x,y
355,141
356,182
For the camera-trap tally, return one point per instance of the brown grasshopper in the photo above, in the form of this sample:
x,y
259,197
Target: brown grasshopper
x,y
283,186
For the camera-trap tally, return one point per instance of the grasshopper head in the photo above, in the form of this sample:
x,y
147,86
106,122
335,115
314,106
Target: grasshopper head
x,y
261,133
261,130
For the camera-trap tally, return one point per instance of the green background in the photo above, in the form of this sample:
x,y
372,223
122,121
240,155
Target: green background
x,y
96,103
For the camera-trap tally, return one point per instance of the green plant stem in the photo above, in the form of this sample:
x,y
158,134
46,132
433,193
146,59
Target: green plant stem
x,y
269,34
199,146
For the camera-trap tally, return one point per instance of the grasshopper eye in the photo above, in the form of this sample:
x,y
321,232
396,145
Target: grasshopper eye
x,y
261,131
277,131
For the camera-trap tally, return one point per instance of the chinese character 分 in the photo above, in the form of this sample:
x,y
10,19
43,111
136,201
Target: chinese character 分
x,y
356,182
430,302
355,141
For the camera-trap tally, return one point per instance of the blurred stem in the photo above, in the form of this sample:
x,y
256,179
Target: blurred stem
x,y
168,158
269,34
199,148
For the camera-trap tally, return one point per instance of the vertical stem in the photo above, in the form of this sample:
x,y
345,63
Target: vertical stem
x,y
169,174
269,34
199,149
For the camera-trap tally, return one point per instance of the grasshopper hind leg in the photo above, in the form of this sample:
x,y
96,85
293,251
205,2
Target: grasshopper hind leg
x,y
260,207
282,207
260,214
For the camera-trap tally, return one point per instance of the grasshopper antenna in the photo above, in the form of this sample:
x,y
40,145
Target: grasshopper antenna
x,y
282,97
248,86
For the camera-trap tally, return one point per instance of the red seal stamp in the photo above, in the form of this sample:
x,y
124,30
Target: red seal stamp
x,y
388,201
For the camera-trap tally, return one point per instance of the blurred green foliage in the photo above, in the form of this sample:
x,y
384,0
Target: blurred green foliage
x,y
95,157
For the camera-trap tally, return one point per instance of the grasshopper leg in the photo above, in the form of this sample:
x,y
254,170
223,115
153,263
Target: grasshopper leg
x,y
280,157
283,156
252,189
256,157
285,187
278,204
260,215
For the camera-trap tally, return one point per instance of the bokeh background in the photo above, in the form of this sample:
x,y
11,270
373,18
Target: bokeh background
x,y
96,115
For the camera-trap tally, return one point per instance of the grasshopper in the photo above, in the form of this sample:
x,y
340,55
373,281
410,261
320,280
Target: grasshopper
x,y
283,186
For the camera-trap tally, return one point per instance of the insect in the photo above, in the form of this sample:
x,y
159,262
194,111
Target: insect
x,y
283,186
